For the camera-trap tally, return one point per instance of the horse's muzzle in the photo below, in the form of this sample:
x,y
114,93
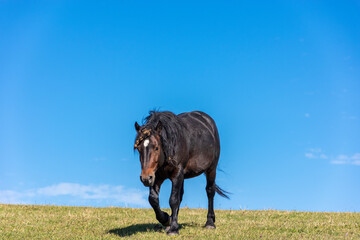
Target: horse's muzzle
x,y
148,181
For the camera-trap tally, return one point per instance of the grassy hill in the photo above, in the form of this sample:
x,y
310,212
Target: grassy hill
x,y
57,222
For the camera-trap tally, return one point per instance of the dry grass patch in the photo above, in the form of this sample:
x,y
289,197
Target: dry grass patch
x,y
60,222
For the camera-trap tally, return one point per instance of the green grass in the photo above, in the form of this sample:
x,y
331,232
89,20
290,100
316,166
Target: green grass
x,y
56,222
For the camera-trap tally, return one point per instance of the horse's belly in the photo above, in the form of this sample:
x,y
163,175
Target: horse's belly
x,y
191,174
196,166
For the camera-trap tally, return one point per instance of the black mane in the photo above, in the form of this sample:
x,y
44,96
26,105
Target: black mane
x,y
172,129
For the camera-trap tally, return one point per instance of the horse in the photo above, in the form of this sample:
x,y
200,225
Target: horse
x,y
178,147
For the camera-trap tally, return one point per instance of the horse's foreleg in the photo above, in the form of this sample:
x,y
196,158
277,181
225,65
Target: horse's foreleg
x,y
161,216
175,200
210,191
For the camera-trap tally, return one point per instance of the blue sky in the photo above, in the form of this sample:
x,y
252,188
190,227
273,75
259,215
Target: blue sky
x,y
280,78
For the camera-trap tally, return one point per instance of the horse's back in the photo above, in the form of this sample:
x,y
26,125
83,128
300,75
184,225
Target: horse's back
x,y
203,142
192,118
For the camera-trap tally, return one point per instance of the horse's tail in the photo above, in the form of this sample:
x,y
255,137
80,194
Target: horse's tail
x,y
221,192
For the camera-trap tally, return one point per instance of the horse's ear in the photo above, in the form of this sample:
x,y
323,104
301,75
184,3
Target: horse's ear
x,y
158,127
137,127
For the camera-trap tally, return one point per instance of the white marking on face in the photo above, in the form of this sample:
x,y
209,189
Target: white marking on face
x,y
146,142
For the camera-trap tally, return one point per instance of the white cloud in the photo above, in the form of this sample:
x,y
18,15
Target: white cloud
x,y
346,159
77,194
338,162
315,150
315,153
341,159
310,155
8,196
356,162
346,115
323,156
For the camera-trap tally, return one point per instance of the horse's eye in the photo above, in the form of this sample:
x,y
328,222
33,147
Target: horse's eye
x,y
157,148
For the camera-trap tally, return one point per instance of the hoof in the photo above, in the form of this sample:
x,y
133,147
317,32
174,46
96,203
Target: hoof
x,y
173,233
210,227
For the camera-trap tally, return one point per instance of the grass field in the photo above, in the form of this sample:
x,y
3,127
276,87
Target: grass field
x,y
57,222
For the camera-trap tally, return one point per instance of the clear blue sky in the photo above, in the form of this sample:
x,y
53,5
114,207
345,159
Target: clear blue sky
x,y
280,78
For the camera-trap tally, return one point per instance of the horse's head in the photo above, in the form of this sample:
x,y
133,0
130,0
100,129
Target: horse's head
x,y
148,143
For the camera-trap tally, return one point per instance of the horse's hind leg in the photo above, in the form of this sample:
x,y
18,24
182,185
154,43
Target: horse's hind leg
x,y
210,190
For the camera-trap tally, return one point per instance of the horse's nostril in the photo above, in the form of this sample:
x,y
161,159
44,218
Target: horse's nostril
x,y
150,177
141,178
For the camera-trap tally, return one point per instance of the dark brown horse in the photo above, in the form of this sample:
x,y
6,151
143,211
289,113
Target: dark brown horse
x,y
178,147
